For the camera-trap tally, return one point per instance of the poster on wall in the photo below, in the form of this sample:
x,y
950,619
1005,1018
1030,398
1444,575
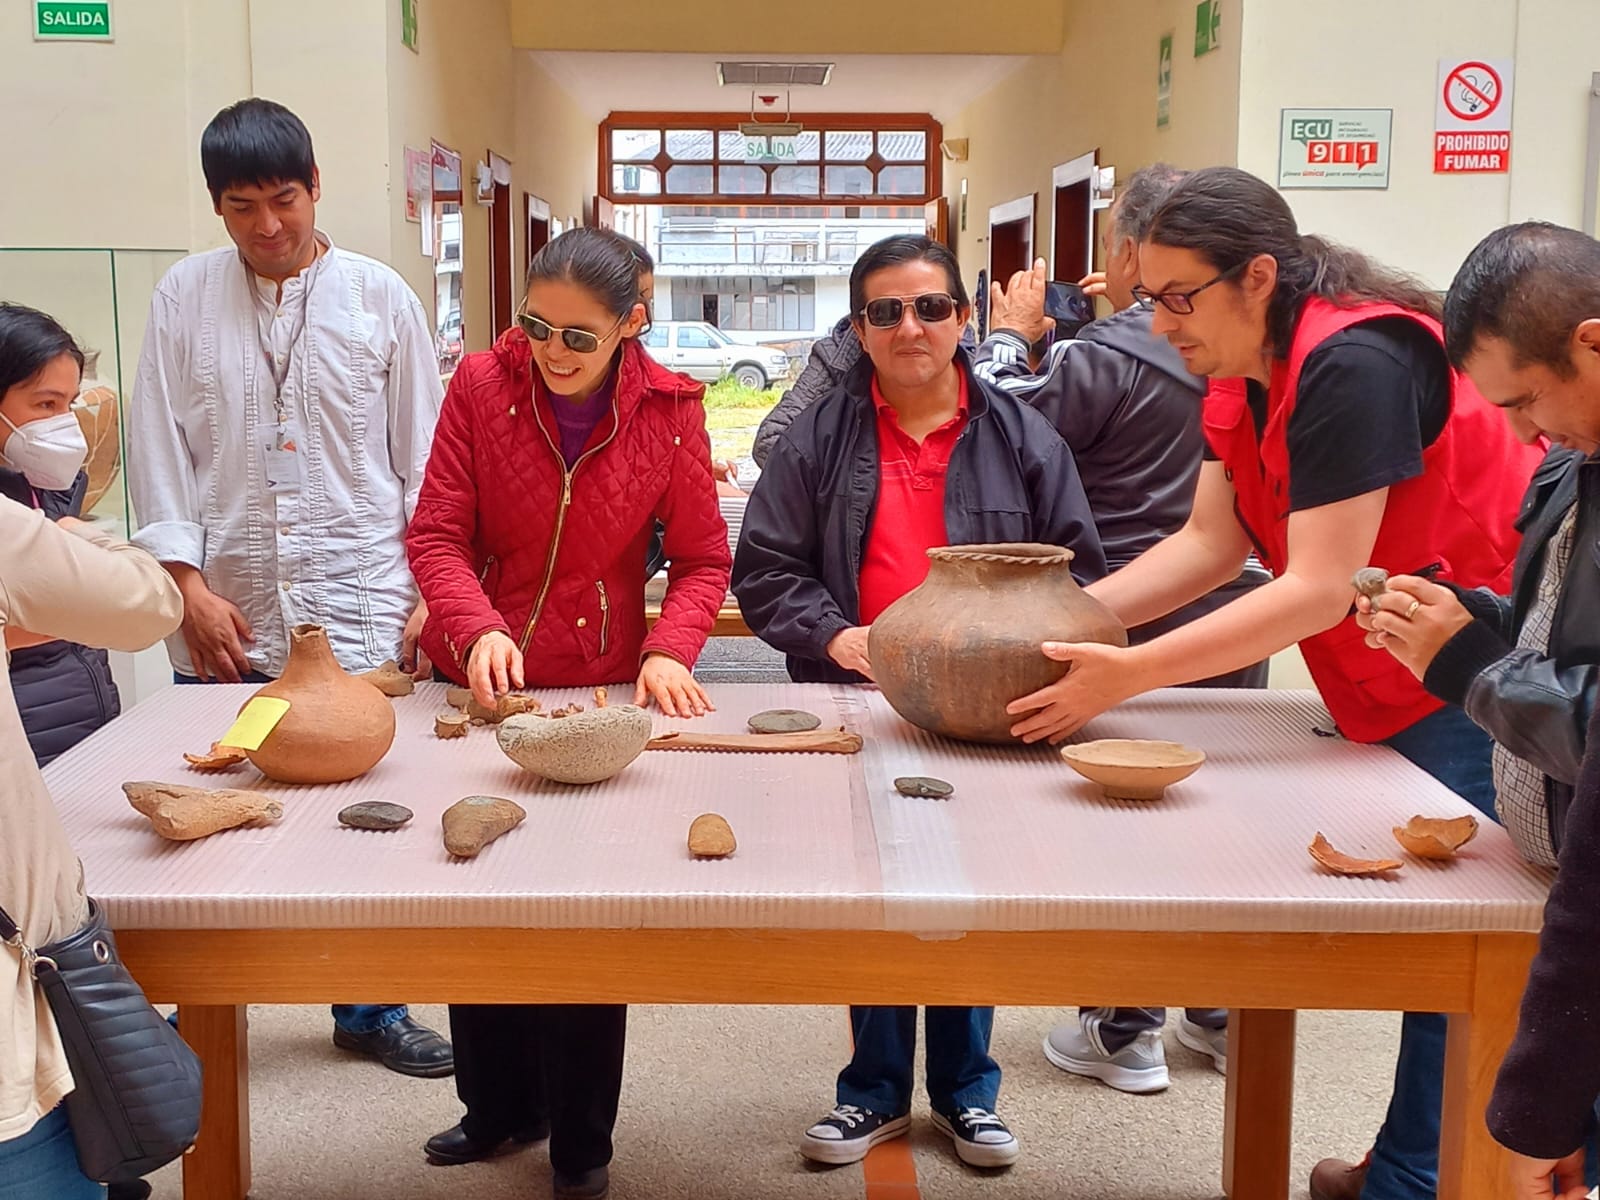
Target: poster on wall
x,y
1164,83
1334,147
1472,117
419,184
446,173
408,24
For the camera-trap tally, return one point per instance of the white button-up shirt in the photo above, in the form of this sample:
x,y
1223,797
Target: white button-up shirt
x,y
361,393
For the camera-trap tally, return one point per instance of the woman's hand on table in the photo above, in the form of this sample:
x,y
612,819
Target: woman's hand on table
x,y
1100,677
670,684
494,667
1548,1179
1412,620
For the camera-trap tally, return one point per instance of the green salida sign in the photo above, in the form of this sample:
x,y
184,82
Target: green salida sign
x,y
72,21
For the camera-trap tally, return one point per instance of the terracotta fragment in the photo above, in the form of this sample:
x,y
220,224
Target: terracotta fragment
x,y
817,741
218,758
509,705
1344,864
451,724
458,697
1437,838
600,697
472,823
710,836
183,814
390,680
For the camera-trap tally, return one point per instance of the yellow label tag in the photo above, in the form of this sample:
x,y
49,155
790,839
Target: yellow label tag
x,y
257,719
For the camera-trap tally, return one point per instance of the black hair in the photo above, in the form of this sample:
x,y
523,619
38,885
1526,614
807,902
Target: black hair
x,y
1143,194
647,265
597,260
30,341
1531,284
257,142
1228,217
903,248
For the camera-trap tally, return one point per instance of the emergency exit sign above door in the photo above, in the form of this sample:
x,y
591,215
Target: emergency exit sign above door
x,y
72,20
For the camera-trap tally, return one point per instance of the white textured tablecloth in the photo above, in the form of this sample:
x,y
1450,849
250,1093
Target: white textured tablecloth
x,y
824,840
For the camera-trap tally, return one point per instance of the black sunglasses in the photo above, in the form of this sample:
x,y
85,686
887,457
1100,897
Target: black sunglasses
x,y
579,341
1182,303
930,307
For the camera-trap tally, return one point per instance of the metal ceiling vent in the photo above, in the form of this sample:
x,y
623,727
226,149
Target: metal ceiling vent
x,y
774,74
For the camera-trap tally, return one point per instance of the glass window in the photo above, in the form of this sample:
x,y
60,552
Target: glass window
x,y
634,180
691,337
730,145
851,146
902,145
635,145
656,337
902,181
742,181
849,181
689,181
796,181
808,146
689,145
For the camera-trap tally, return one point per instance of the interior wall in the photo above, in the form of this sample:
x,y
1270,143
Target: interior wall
x,y
556,153
1098,92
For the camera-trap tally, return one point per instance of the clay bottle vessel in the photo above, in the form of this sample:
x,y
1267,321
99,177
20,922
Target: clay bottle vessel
x,y
950,654
337,726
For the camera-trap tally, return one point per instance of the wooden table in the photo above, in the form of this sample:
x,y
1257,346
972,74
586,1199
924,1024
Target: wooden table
x,y
1027,888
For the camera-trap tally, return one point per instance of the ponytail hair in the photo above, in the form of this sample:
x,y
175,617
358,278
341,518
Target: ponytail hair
x,y
1228,217
598,261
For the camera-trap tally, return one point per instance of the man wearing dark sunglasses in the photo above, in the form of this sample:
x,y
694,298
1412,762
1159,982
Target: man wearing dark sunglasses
x,y
910,451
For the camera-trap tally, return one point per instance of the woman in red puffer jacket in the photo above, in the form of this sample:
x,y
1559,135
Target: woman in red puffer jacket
x,y
555,454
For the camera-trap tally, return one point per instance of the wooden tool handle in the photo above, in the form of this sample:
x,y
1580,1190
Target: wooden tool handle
x,y
820,741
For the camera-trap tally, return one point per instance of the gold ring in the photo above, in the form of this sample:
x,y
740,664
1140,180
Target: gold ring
x,y
1411,610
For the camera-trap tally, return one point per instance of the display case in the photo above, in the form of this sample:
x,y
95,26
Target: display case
x,y
102,297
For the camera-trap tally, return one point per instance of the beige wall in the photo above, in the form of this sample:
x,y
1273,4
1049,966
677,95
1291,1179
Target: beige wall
x,y
1099,92
557,148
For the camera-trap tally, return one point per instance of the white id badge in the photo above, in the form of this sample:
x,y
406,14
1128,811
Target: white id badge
x,y
282,453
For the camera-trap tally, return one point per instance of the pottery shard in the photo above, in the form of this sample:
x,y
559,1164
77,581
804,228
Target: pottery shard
x,y
451,724
472,823
586,747
509,705
458,697
710,836
375,814
1371,582
1344,864
390,680
1436,837
218,758
600,697
186,813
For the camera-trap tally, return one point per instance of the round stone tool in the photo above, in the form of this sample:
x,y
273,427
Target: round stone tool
x,y
924,787
784,720
375,814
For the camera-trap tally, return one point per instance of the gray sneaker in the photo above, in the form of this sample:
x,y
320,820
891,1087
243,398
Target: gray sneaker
x,y
1139,1067
1210,1042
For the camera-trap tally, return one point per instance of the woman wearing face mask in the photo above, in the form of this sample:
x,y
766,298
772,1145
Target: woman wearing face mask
x,y
64,691
555,454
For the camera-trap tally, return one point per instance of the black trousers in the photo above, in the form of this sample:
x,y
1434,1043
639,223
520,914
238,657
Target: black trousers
x,y
518,1063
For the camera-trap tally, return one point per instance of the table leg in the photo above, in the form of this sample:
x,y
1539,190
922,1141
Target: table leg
x,y
218,1167
1259,1111
1471,1163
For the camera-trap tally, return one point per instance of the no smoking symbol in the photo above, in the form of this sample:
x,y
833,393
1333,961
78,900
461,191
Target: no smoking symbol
x,y
1472,91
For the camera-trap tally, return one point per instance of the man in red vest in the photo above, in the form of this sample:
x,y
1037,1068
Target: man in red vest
x,y
1339,436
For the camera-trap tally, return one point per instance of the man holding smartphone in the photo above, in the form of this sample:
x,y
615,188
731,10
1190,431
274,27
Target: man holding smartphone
x,y
1124,402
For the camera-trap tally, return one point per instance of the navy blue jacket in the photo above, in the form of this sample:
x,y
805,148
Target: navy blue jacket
x,y
798,566
64,691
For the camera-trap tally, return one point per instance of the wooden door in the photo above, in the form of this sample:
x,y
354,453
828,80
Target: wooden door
x,y
603,214
937,214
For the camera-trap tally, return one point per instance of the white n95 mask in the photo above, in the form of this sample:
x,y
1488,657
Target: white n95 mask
x,y
50,452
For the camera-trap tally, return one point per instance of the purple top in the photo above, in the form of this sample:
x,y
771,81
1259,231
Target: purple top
x,y
576,419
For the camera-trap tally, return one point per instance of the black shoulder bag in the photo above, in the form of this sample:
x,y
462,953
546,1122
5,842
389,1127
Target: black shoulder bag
x,y
135,1105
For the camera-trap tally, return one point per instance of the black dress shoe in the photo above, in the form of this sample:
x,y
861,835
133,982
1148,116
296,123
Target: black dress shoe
x,y
402,1046
453,1147
586,1185
136,1189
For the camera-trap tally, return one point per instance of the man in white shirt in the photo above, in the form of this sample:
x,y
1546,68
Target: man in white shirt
x,y
281,419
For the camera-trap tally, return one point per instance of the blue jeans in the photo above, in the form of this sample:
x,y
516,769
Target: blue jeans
x,y
960,1072
44,1163
352,1018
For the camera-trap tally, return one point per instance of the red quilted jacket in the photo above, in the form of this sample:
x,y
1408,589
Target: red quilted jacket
x,y
506,538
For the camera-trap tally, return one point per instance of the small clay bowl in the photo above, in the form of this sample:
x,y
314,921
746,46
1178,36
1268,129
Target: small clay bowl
x,y
1131,768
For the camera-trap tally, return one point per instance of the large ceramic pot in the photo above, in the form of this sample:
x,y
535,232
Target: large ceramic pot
x,y
337,726
952,653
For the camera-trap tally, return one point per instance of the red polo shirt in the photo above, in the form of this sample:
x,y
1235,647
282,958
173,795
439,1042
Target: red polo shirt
x,y
910,515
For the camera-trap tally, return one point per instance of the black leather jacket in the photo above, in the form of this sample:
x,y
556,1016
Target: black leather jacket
x,y
1537,706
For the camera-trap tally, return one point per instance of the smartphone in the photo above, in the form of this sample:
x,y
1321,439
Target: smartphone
x,y
1070,308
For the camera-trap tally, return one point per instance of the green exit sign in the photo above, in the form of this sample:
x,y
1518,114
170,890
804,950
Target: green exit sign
x,y
1207,26
71,21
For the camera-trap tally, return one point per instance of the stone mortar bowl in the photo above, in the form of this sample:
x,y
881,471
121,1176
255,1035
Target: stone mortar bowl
x,y
584,748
